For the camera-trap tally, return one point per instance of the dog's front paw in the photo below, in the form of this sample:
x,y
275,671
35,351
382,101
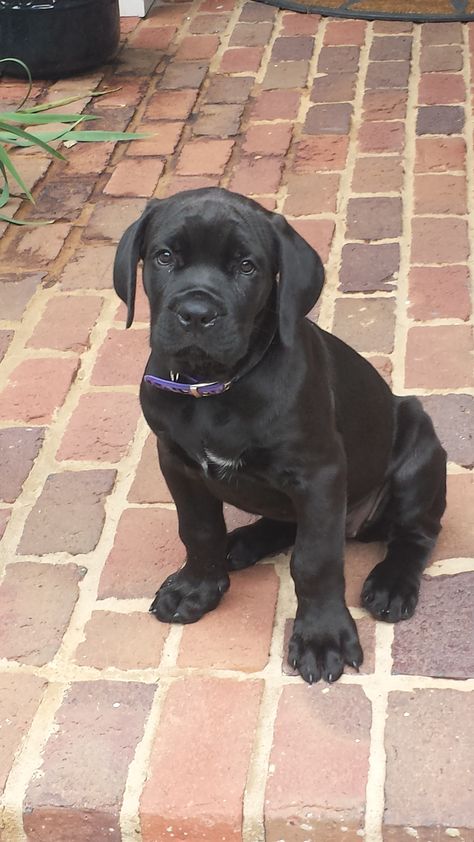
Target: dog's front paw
x,y
320,647
390,592
183,599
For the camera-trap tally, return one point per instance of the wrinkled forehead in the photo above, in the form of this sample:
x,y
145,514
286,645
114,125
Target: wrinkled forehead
x,y
210,227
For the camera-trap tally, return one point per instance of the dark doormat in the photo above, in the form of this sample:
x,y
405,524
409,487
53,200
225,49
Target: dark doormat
x,y
415,10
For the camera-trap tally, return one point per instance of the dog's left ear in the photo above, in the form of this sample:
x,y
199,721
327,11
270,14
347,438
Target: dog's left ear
x,y
129,252
301,278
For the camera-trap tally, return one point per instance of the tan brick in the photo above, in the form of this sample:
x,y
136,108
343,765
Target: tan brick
x,y
439,357
439,240
308,194
121,359
125,641
101,427
135,177
204,157
66,323
36,389
89,268
149,485
20,696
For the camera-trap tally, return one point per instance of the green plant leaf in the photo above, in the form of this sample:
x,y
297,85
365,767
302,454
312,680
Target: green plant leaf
x,y
43,119
8,165
105,135
32,139
58,103
5,194
15,221
27,70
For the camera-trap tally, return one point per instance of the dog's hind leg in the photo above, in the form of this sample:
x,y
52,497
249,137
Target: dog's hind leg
x,y
414,510
248,544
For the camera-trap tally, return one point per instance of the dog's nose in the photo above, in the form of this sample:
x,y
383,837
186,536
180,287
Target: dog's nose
x,y
196,313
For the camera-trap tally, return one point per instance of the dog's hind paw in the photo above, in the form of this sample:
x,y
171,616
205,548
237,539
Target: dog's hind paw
x,y
390,593
182,599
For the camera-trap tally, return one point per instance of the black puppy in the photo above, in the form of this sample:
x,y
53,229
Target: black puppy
x,y
254,405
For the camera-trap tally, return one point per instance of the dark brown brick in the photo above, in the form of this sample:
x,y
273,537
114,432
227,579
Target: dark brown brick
x,y
228,89
6,337
19,447
374,219
218,120
367,268
440,119
36,603
430,643
111,217
366,325
453,417
69,513
449,32
251,34
447,57
78,794
286,74
329,119
254,12
334,87
388,74
305,788
392,48
20,696
422,788
185,74
62,199
292,48
338,60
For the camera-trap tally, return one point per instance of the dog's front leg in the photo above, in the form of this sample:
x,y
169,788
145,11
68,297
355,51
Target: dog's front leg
x,y
199,585
324,635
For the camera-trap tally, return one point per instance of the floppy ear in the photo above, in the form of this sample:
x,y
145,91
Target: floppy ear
x,y
301,278
129,252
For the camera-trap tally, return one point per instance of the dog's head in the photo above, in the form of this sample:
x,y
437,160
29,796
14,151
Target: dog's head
x,y
212,263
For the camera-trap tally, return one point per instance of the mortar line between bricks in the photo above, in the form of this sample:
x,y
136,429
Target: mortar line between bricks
x,y
469,175
305,101
267,52
28,760
254,795
328,305
378,695
401,297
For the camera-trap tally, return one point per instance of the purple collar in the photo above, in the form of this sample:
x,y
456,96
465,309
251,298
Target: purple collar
x,y
197,390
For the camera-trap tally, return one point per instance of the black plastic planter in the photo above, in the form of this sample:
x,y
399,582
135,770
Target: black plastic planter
x,y
57,38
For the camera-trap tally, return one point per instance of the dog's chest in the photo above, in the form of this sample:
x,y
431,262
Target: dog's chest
x,y
220,467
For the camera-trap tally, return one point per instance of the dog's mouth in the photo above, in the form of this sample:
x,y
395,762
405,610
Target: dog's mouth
x,y
198,364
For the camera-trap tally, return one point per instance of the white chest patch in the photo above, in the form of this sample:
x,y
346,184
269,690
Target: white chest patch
x,y
224,467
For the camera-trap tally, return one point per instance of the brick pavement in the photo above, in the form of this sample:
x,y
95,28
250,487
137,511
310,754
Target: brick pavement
x,y
113,726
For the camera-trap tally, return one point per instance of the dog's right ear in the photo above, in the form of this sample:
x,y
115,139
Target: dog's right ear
x,y
129,252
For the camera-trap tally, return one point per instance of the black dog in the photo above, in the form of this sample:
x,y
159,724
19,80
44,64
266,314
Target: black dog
x,y
254,405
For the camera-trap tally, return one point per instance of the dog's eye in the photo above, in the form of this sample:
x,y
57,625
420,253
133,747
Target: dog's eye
x,y
247,267
164,257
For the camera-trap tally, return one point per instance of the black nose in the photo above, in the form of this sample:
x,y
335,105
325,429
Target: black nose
x,y
196,313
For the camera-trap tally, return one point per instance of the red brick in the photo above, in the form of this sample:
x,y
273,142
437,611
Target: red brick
x,y
286,74
36,604
276,105
170,105
447,57
449,32
130,92
457,535
124,641
313,154
251,34
294,23
66,323
441,88
439,357
32,247
238,635
391,49
439,292
438,805
439,240
78,793
338,59
16,292
384,105
292,48
267,139
345,32
163,140
197,46
241,60
308,194
93,432
332,119
322,786
146,550
168,15
20,696
229,88
153,37
256,175
190,182
204,157
68,516
89,268
440,194
378,174
204,24
86,158
111,217
149,485
19,447
420,649
374,218
214,773
136,177
438,154
36,389
253,12
367,325
452,416
142,305
383,136
122,358
218,120
317,232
